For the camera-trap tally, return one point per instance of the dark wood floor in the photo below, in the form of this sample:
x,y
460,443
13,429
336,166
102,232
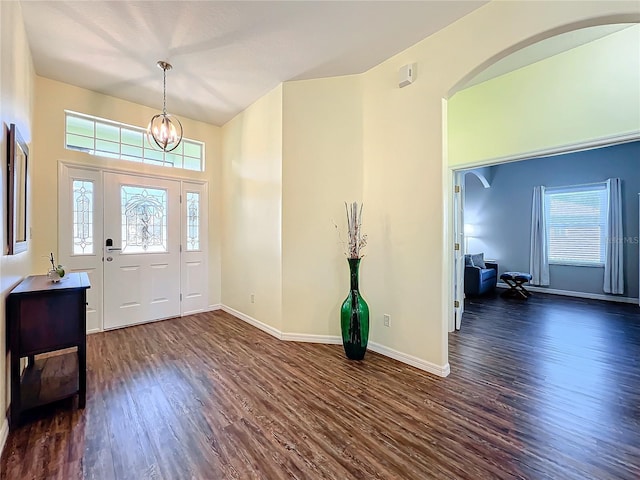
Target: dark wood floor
x,y
546,388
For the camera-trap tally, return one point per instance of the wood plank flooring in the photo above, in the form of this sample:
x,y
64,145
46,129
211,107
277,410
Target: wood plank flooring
x,y
547,388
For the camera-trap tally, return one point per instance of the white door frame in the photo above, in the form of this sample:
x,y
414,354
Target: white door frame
x,y
96,174
459,247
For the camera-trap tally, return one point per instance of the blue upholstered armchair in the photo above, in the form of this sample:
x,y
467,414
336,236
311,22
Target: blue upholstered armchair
x,y
480,277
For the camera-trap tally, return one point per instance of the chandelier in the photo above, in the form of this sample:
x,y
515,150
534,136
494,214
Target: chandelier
x,y
164,129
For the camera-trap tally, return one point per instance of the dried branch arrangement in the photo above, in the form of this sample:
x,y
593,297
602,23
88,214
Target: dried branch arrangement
x,y
356,240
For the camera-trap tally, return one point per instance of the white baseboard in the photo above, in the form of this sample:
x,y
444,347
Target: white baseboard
x,y
305,337
93,330
441,371
569,293
252,321
210,308
4,433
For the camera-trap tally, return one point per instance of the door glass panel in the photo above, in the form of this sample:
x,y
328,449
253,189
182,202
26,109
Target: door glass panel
x,y
144,219
82,217
193,221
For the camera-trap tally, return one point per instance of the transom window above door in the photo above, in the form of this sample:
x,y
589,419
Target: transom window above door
x,y
106,138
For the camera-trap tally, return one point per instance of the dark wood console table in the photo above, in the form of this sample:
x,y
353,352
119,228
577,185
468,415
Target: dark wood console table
x,y
42,317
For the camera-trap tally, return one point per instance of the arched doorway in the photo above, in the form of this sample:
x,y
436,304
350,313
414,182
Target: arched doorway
x,y
574,44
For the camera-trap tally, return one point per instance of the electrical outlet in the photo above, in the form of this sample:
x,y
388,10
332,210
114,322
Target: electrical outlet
x,y
387,320
253,298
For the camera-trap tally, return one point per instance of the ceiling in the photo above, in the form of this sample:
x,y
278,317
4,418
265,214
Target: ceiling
x,y
225,55
228,54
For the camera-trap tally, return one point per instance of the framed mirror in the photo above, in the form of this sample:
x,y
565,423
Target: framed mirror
x,y
17,158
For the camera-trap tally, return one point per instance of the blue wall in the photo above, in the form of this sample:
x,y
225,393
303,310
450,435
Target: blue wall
x,y
501,214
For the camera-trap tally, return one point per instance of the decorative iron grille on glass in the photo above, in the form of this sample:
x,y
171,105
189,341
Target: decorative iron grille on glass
x,y
144,219
106,138
82,217
193,221
164,129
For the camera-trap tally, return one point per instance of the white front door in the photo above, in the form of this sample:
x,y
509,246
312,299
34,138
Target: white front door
x,y
141,249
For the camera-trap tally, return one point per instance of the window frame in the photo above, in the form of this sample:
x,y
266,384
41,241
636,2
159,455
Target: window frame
x,y
157,157
591,187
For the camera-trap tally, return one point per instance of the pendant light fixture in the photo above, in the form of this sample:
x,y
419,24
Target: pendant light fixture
x,y
165,129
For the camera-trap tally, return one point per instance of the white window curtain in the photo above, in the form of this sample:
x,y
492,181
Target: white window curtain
x,y
613,265
539,260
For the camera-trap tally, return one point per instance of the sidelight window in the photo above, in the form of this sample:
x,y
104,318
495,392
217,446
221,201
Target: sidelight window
x,y
193,221
82,217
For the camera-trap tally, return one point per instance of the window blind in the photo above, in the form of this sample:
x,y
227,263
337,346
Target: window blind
x,y
576,220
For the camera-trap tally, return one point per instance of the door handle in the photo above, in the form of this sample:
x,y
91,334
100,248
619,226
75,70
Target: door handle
x,y
109,245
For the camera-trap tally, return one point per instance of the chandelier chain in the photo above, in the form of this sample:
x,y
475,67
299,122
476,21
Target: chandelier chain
x,y
164,130
164,91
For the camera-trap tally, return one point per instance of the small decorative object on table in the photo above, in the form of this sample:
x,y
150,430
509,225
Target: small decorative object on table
x,y
57,272
354,316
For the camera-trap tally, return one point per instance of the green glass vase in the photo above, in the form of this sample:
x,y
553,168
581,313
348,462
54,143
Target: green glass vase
x,y
354,318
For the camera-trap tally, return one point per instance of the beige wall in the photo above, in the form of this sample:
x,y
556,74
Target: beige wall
x,y
584,94
322,168
52,99
405,169
290,160
252,204
282,195
16,106
362,138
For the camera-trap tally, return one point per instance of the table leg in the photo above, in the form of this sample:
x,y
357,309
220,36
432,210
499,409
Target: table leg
x,y
520,289
82,375
16,403
512,290
516,289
